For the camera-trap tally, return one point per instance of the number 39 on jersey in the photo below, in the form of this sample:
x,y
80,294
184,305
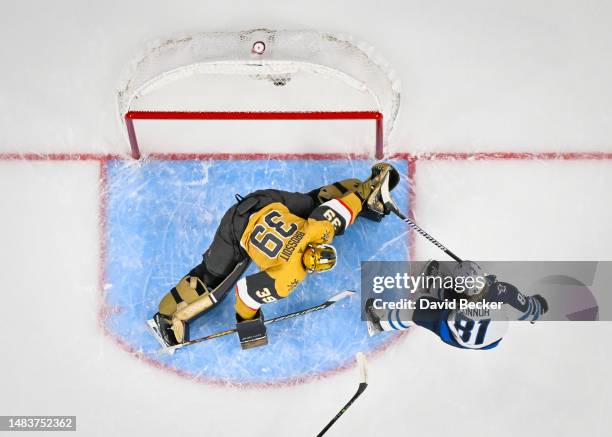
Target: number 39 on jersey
x,y
269,239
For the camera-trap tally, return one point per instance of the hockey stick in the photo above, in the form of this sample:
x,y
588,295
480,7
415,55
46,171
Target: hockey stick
x,y
329,302
363,383
392,206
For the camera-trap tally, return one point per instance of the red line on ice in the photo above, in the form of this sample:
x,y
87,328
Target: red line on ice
x,y
493,156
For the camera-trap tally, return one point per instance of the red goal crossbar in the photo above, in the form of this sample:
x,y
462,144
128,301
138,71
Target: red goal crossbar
x,y
224,115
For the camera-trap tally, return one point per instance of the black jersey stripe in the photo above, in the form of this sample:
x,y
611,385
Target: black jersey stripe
x,y
177,297
340,187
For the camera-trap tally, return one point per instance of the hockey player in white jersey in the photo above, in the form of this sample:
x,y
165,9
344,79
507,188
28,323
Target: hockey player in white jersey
x,y
462,328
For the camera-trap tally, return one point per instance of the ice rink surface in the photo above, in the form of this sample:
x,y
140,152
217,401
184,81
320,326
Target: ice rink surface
x,y
522,79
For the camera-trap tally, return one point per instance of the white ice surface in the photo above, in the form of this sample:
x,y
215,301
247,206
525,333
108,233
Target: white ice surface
x,y
516,210
479,76
476,76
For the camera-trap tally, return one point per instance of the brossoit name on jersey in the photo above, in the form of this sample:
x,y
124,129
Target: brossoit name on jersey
x,y
291,245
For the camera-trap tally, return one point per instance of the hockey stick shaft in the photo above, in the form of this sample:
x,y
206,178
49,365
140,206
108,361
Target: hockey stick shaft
x,y
390,205
305,311
361,389
363,384
421,231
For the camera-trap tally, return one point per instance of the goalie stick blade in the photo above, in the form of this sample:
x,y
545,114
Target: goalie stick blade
x,y
341,295
155,332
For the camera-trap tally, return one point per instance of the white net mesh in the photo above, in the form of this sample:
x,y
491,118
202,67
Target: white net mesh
x,y
297,71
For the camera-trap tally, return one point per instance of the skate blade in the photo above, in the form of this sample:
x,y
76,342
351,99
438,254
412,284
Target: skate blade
x,y
371,329
155,332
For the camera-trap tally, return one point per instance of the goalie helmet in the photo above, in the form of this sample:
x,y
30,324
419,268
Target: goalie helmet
x,y
469,278
319,257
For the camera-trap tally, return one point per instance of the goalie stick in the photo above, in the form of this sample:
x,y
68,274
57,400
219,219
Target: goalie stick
x,y
363,384
329,302
392,206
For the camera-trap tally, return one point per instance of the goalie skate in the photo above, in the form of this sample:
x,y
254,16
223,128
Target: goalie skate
x,y
372,318
155,330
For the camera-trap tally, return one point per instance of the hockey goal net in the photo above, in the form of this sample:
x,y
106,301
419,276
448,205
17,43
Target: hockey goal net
x,y
258,91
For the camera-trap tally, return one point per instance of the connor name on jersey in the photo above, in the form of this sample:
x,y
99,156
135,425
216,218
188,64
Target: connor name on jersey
x,y
485,331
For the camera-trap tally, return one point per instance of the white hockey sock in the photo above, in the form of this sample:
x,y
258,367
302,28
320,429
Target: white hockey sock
x,y
393,322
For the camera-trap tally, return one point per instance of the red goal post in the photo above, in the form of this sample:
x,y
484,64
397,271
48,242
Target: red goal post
x,y
130,116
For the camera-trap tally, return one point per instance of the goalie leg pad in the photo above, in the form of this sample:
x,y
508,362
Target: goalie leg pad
x,y
188,290
337,190
180,329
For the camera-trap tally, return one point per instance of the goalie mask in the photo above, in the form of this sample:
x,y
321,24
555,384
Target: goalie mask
x,y
469,278
319,257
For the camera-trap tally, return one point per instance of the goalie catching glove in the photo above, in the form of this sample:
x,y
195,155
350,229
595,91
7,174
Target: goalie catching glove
x,y
383,177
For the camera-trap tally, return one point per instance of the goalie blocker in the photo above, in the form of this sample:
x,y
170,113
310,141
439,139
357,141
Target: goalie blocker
x,y
252,332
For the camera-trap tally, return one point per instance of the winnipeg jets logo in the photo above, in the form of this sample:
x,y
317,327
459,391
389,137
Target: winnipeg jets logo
x,y
501,288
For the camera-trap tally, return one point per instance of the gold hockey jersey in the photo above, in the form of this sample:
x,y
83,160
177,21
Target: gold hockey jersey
x,y
275,239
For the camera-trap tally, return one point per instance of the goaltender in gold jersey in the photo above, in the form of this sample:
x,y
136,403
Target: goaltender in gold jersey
x,y
287,235
277,241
